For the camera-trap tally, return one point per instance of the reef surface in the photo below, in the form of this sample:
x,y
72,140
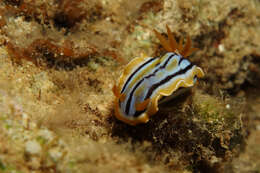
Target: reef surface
x,y
60,59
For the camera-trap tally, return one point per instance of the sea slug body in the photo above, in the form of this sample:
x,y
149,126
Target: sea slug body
x,y
145,80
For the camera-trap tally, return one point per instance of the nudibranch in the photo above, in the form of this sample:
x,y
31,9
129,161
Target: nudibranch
x,y
146,80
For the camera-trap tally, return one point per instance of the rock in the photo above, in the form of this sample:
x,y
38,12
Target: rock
x,y
33,147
